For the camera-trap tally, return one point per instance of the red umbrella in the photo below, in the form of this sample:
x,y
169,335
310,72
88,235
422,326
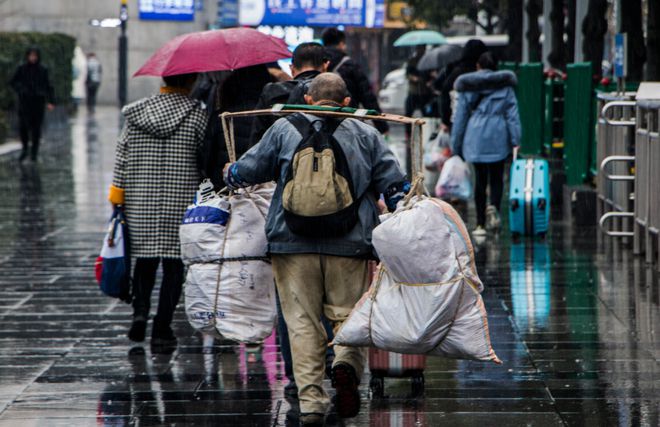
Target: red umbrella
x,y
214,50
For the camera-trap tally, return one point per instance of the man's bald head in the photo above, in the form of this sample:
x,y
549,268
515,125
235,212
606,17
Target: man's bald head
x,y
327,87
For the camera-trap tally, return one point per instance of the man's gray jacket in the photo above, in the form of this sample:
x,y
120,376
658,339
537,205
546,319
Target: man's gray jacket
x,y
374,170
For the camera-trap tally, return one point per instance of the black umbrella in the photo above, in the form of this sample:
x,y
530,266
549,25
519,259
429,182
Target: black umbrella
x,y
438,57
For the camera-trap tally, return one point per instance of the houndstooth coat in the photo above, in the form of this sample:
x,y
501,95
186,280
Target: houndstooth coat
x,y
156,166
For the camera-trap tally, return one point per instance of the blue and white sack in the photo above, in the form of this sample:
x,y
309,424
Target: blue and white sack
x,y
203,227
229,289
113,266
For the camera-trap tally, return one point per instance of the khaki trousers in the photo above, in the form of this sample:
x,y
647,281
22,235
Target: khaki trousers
x,y
310,285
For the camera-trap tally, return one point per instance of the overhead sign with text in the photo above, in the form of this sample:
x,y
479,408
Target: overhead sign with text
x,y
167,10
319,13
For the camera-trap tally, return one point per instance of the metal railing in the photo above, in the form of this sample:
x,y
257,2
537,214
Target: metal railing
x,y
647,180
615,151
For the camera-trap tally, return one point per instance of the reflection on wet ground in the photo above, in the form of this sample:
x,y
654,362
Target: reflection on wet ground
x,y
574,319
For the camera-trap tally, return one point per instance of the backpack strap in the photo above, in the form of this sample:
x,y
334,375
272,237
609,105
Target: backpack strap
x,y
344,60
302,125
331,124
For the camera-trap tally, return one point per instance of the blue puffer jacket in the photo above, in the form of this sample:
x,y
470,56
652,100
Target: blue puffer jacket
x,y
486,126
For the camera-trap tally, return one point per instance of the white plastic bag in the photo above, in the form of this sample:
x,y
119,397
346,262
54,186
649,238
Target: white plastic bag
x,y
426,297
455,180
436,152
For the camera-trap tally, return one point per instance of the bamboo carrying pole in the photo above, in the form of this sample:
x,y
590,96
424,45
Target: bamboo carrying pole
x,y
416,138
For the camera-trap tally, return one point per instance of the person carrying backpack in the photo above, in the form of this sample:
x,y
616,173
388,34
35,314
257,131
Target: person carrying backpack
x,y
308,62
330,173
356,81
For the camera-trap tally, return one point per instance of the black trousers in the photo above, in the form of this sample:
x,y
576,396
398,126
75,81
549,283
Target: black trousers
x,y
485,174
30,119
92,89
414,103
144,278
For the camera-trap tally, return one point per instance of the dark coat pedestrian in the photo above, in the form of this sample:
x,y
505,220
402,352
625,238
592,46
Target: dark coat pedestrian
x,y
356,81
308,62
240,91
155,179
419,93
93,80
32,86
445,81
278,93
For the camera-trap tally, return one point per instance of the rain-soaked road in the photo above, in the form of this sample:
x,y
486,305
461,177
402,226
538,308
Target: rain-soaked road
x,y
575,323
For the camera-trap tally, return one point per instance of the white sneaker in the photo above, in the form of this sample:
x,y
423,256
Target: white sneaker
x,y
493,221
479,231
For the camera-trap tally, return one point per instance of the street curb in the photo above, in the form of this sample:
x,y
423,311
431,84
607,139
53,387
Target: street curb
x,y
9,148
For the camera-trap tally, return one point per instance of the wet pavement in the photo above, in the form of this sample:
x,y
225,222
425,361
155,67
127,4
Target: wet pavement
x,y
574,319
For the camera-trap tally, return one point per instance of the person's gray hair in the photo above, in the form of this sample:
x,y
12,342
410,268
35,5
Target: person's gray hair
x,y
328,87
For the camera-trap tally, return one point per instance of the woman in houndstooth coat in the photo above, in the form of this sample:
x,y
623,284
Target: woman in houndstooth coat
x,y
155,179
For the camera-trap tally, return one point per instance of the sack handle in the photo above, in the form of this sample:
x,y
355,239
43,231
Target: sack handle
x,y
116,218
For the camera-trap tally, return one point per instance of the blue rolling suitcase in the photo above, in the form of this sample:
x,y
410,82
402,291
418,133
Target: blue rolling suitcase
x,y
529,197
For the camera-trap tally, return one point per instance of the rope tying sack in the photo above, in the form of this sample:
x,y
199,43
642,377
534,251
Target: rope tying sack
x,y
417,187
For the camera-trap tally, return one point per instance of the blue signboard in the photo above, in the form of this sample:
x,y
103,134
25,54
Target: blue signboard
x,y
167,10
620,57
228,13
321,13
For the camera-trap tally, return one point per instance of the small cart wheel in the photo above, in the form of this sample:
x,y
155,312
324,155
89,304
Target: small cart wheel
x,y
417,385
377,386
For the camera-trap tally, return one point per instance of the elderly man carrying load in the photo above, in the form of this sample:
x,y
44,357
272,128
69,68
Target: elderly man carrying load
x,y
330,173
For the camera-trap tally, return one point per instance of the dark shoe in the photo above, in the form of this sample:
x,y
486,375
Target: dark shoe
x,y
345,382
329,360
312,419
163,340
291,390
138,329
162,334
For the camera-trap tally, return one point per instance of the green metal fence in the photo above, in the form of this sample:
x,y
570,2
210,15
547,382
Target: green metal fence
x,y
530,104
553,120
578,123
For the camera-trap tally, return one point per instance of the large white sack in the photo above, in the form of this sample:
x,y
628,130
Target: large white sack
x,y
426,297
204,236
415,244
240,308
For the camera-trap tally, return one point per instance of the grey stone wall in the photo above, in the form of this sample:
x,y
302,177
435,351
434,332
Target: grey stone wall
x,y
72,17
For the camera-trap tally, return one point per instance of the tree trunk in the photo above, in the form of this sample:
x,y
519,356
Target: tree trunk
x,y
534,10
514,23
594,29
631,24
557,56
653,41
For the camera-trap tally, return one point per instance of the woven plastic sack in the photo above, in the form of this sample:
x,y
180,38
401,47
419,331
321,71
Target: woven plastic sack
x,y
206,237
229,289
426,298
239,306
